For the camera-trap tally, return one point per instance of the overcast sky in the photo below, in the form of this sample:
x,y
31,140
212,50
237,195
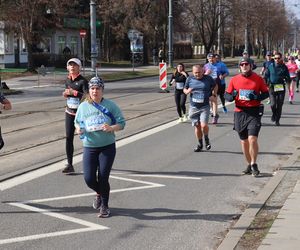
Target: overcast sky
x,y
290,5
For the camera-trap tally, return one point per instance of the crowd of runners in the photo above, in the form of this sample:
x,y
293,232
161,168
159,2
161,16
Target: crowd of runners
x,y
96,118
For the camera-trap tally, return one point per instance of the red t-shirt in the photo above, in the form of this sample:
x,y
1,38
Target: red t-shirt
x,y
245,85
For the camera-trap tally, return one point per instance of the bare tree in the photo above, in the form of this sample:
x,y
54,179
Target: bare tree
x,y
30,18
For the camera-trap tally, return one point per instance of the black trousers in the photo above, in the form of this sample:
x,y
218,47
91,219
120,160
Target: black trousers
x,y
276,102
70,130
180,100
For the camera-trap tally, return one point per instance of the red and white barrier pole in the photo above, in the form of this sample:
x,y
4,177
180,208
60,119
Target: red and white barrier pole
x,y
163,76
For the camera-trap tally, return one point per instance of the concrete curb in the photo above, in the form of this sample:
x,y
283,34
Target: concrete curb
x,y
237,231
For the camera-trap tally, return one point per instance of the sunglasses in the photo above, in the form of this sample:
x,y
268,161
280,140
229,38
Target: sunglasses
x,y
244,64
276,58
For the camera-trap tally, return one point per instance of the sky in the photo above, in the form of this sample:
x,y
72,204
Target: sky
x,y
290,5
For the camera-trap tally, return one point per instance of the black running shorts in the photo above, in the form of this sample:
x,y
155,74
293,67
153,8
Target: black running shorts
x,y
246,124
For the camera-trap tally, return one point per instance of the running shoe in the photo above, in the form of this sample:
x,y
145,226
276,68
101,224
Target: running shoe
x,y
68,169
185,118
255,171
225,110
104,212
180,120
297,90
248,170
97,202
208,146
215,119
198,148
273,118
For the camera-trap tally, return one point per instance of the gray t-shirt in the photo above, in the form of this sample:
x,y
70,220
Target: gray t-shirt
x,y
202,89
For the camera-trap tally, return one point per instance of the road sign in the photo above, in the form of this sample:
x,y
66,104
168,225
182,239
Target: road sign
x,y
82,33
133,35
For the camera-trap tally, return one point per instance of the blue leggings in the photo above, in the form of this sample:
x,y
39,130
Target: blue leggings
x,y
97,164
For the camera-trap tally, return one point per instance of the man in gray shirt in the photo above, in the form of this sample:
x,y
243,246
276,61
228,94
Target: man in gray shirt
x,y
200,87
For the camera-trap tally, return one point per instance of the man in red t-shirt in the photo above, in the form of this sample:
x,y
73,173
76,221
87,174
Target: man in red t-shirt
x,y
247,89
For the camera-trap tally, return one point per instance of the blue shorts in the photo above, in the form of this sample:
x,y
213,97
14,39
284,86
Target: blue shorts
x,y
199,115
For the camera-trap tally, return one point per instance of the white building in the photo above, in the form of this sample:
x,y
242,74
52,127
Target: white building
x,y
13,52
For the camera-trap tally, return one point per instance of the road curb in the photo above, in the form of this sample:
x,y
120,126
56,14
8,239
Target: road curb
x,y
237,231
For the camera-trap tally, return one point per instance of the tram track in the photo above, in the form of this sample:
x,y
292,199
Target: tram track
x,y
25,131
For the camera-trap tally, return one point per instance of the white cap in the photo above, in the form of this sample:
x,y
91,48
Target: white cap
x,y
75,60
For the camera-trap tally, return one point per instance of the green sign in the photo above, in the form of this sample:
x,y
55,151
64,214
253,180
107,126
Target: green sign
x,y
76,23
79,23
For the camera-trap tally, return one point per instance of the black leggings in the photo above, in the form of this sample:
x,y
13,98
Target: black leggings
x,y
97,164
180,100
1,140
221,92
70,130
276,102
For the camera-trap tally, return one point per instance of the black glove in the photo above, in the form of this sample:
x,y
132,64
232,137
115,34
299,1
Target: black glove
x,y
234,94
252,96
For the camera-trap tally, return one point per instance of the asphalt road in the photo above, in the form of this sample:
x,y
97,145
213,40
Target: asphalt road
x,y
164,196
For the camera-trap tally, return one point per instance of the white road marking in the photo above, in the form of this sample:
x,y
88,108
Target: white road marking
x,y
47,235
58,215
166,176
148,185
89,226
4,185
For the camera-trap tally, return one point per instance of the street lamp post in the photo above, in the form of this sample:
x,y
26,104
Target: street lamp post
x,y
93,35
219,28
170,35
246,29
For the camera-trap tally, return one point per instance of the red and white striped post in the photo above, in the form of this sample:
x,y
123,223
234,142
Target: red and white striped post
x,y
163,76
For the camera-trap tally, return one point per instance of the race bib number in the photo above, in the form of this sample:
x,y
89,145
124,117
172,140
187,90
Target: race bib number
x,y
278,87
73,103
179,85
244,94
198,97
94,123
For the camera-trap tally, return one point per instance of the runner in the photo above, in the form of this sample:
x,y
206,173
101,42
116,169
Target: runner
x,y
277,75
247,56
76,87
222,73
211,69
200,87
177,80
247,89
5,104
266,64
96,121
293,70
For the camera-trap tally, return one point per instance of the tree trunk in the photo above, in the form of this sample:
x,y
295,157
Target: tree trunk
x,y
30,66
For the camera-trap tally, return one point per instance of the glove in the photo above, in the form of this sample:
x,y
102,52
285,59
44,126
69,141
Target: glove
x,y
252,96
234,94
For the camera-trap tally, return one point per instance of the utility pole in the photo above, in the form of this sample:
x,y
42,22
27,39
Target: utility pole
x,y
93,35
246,29
170,35
219,29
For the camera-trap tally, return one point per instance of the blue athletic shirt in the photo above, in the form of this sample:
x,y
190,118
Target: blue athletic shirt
x,y
202,89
